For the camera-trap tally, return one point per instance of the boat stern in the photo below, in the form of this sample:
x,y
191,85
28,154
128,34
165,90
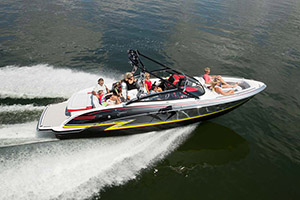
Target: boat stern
x,y
53,116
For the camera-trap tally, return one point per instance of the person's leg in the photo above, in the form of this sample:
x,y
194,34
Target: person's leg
x,y
230,92
226,85
118,100
223,82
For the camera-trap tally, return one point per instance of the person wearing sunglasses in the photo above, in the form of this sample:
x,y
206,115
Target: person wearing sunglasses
x,y
129,86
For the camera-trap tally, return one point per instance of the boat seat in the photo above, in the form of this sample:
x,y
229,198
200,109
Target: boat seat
x,y
202,81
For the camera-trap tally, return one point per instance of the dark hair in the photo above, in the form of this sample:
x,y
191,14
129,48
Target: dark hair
x,y
153,86
116,84
100,79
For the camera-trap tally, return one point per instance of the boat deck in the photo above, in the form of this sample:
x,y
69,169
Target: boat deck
x,y
54,115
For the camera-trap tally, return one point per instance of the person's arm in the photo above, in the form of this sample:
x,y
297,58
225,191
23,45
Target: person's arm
x,y
107,90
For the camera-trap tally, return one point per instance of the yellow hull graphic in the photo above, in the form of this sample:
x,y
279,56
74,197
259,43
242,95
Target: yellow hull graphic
x,y
122,124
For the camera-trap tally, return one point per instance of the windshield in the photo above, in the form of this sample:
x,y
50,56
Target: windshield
x,y
173,84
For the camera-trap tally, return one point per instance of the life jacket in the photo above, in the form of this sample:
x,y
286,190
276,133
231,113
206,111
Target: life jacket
x,y
102,99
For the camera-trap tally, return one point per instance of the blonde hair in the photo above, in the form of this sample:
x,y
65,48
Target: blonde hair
x,y
128,75
147,74
206,69
214,83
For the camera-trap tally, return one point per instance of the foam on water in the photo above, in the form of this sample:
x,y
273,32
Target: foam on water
x,y
77,169
44,81
20,134
25,130
34,168
20,108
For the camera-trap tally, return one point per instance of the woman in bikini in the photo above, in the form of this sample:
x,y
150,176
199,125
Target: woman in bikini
x,y
215,86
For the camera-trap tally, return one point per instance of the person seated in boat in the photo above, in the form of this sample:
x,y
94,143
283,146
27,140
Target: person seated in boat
x,y
113,100
100,86
155,89
117,90
215,86
129,86
101,96
208,79
148,82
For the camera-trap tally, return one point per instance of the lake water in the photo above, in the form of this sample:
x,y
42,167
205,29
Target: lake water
x,y
51,49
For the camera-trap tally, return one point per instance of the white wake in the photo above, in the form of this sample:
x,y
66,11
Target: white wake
x,y
34,168
20,134
20,108
78,169
45,81
12,131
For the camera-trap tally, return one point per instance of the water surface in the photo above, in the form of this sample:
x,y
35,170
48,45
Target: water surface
x,y
51,49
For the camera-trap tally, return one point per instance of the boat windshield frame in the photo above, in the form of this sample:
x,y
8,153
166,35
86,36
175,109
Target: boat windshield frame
x,y
137,64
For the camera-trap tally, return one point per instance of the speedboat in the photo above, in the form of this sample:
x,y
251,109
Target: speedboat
x,y
184,100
